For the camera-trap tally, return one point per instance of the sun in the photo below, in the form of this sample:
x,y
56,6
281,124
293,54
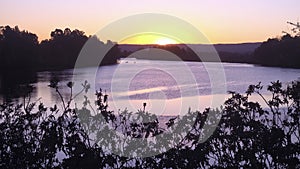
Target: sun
x,y
164,41
147,39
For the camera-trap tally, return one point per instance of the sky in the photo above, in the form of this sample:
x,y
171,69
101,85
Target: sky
x,y
221,21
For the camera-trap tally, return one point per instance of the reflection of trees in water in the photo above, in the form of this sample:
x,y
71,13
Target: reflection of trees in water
x,y
16,84
13,83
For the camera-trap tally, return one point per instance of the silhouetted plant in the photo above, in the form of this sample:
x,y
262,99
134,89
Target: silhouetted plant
x,y
249,135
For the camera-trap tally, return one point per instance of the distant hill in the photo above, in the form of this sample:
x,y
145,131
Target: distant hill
x,y
240,48
235,53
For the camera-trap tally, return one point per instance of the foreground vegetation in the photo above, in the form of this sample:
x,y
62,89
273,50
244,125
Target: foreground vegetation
x,y
248,135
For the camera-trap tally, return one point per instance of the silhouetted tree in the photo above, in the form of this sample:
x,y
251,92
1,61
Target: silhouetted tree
x,y
18,49
283,52
62,50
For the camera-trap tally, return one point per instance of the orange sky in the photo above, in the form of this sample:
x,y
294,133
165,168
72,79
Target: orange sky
x,y
230,21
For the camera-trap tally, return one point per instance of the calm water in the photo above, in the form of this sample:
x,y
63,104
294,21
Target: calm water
x,y
168,87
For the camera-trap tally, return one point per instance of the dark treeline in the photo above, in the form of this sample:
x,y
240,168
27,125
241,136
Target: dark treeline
x,y
282,52
21,50
18,49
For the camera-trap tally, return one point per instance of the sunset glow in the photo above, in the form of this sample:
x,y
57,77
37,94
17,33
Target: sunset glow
x,y
164,41
149,39
231,21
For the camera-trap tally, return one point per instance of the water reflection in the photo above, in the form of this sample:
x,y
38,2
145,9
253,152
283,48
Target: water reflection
x,y
148,85
13,83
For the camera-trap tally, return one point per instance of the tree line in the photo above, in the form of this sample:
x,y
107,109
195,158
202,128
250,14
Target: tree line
x,y
282,52
21,50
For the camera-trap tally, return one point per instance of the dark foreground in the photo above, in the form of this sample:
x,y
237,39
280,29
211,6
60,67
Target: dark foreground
x,y
62,136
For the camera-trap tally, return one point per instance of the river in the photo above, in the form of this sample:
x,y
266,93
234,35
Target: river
x,y
167,87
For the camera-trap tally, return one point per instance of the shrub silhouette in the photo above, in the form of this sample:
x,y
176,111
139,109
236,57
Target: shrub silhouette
x,y
248,135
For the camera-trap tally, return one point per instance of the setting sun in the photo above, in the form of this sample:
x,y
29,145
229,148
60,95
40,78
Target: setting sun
x,y
149,39
164,41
